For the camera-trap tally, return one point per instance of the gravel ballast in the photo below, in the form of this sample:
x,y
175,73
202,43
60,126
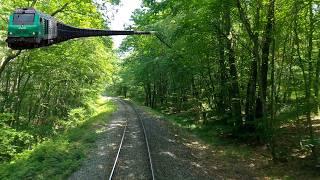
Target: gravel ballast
x,y
100,160
175,153
178,155
133,159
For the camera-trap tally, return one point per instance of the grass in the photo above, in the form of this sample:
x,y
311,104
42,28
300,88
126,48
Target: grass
x,y
59,157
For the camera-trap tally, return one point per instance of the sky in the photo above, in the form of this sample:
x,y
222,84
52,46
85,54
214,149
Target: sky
x,y
120,16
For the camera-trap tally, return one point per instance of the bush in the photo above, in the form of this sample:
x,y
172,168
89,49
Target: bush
x,y
59,156
13,142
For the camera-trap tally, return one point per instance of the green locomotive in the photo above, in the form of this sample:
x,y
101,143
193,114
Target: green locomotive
x,y
30,28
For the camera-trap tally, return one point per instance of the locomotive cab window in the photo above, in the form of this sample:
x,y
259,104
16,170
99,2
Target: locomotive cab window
x,y
23,19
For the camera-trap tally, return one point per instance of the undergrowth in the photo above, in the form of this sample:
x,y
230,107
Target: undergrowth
x,y
228,147
57,158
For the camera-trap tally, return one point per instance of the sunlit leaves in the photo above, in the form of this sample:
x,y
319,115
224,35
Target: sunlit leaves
x,y
42,85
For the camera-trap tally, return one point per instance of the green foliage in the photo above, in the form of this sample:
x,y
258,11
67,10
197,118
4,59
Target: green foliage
x,y
115,1
45,91
49,160
13,142
238,64
59,157
76,116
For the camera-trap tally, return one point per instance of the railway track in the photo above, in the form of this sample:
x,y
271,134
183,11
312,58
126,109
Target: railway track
x,y
133,137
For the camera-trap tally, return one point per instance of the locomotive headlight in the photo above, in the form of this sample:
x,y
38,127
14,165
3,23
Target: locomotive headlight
x,y
33,33
10,33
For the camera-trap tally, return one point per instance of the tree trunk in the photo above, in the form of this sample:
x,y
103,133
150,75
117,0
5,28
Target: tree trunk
x,y
309,82
233,71
265,58
251,86
317,78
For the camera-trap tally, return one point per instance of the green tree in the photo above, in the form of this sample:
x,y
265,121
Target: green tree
x,y
250,65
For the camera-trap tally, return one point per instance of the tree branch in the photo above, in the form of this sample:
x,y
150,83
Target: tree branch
x,y
33,3
245,20
7,60
4,19
61,9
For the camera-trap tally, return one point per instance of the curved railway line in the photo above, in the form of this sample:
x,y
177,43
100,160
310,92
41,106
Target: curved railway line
x,y
113,174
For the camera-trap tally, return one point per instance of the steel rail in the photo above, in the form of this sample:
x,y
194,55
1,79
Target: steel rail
x,y
120,147
122,139
147,142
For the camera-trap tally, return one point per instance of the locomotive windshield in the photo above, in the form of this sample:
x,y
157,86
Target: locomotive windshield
x,y
23,19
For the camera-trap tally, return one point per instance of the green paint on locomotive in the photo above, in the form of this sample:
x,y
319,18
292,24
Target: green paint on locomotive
x,y
18,27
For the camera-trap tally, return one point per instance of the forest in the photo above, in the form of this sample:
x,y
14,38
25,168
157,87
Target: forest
x,y
45,91
251,67
248,70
